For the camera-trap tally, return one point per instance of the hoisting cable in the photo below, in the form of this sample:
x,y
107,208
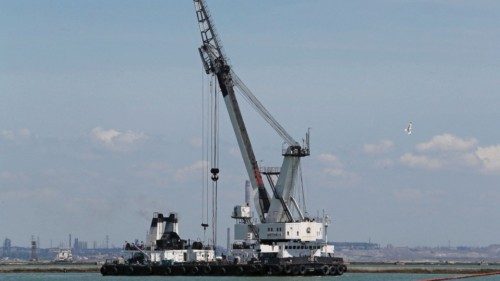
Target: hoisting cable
x,y
204,173
214,156
210,156
217,154
207,138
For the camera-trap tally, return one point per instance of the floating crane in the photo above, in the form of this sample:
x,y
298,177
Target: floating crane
x,y
282,242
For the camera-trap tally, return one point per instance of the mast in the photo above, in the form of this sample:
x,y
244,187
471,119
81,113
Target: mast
x,y
215,62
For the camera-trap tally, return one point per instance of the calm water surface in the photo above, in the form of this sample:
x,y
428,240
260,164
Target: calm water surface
x,y
345,277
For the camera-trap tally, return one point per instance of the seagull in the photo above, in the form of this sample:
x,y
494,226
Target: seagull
x,y
408,129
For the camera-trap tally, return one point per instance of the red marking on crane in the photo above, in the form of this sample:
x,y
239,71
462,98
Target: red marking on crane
x,y
258,177
462,276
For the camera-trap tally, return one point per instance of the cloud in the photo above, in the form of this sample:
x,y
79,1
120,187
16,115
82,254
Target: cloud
x,y
41,194
447,151
24,133
469,159
333,166
421,161
156,172
384,163
195,142
15,135
489,157
447,142
7,135
414,195
191,171
378,148
116,140
329,158
338,172
11,176
407,194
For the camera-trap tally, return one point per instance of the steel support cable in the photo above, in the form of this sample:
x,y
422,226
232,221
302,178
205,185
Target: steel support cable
x,y
303,190
254,106
265,115
259,107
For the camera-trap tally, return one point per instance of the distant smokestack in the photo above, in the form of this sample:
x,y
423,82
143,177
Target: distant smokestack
x,y
248,193
33,255
228,246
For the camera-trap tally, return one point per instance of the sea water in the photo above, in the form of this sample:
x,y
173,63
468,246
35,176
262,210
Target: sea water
x,y
345,277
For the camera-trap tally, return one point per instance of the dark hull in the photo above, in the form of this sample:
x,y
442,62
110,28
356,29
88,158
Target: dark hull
x,y
332,267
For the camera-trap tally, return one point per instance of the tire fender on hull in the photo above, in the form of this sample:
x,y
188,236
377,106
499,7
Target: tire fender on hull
x,y
303,270
325,270
222,271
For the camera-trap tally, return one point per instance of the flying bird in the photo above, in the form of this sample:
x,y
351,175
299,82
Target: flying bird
x,y
408,129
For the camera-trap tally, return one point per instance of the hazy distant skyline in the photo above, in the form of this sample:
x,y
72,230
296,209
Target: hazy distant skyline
x,y
100,115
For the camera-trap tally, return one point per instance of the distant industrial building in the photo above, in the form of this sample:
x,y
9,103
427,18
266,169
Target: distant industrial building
x,y
78,246
7,244
355,245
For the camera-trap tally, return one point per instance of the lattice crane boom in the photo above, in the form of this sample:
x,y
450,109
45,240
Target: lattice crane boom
x,y
215,62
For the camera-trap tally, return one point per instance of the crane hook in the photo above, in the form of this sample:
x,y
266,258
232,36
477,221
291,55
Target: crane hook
x,y
215,173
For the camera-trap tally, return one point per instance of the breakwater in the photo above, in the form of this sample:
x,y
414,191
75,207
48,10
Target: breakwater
x,y
423,268
49,267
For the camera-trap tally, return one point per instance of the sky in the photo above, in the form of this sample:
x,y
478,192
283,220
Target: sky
x,y
101,101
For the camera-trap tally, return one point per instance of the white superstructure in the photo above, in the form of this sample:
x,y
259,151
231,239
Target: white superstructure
x,y
183,255
303,237
64,255
164,244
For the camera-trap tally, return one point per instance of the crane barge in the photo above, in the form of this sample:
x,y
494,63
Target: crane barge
x,y
283,240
